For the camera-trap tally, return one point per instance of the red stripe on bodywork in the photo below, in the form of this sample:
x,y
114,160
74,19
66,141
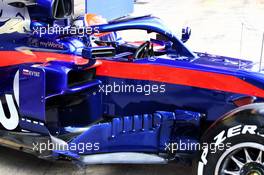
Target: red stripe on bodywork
x,y
179,76
9,58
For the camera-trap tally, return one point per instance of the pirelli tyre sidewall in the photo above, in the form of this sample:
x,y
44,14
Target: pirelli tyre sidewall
x,y
237,130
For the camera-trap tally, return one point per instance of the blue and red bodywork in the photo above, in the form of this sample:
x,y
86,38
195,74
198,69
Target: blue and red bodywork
x,y
55,92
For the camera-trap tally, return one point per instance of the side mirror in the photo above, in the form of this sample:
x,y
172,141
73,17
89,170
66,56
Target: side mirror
x,y
186,33
50,9
95,52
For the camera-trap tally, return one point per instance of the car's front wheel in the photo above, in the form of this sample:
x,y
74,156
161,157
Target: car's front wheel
x,y
239,155
242,159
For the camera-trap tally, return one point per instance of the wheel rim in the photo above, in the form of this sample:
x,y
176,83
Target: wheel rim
x,y
242,159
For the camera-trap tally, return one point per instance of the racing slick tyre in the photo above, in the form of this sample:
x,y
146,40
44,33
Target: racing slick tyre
x,y
244,156
234,145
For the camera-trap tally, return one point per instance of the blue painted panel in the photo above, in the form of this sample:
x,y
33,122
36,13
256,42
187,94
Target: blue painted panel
x,y
212,103
110,9
32,92
129,133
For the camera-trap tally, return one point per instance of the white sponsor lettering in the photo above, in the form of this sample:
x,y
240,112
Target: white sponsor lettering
x,y
221,137
12,122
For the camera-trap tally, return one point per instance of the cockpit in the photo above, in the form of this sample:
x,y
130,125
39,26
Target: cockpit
x,y
141,45
141,37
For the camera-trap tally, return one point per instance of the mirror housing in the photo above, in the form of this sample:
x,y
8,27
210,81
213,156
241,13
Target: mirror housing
x,y
51,9
95,52
186,33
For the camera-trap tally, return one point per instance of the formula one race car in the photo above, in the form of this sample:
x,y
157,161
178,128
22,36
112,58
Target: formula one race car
x,y
100,97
